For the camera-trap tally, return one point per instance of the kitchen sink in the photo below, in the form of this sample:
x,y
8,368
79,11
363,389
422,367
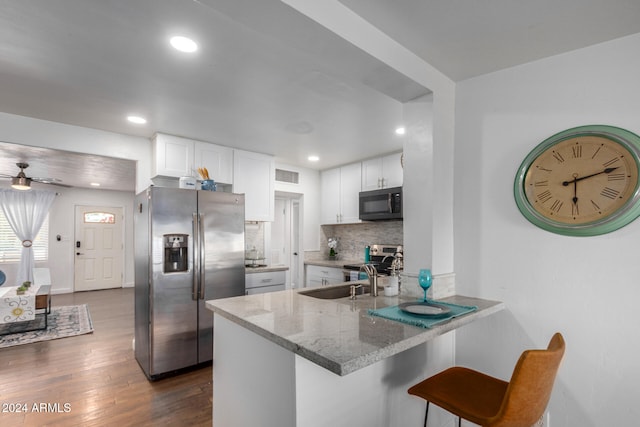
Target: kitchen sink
x,y
335,292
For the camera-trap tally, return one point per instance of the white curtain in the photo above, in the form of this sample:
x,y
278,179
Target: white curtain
x,y
26,211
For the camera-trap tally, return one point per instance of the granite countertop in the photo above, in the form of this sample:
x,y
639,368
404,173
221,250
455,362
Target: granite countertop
x,y
265,269
337,334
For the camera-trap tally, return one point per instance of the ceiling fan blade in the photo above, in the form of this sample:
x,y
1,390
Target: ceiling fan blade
x,y
50,181
4,175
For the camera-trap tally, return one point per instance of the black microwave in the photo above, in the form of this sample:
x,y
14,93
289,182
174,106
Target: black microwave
x,y
377,205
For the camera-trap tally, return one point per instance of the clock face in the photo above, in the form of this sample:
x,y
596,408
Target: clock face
x,y
583,181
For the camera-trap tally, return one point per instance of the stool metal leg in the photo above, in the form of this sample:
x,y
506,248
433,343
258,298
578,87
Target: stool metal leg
x,y
426,414
459,421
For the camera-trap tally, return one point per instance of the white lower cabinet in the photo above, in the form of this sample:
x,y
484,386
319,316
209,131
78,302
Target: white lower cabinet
x,y
322,276
260,283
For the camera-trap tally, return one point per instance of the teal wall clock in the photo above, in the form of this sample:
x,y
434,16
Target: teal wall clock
x,y
582,181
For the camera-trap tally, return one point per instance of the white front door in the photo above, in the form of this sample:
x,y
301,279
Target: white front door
x,y
98,248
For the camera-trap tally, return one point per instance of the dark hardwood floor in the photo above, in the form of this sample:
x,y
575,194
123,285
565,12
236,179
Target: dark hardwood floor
x,y
97,376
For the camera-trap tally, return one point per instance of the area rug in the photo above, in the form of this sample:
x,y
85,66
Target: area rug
x,y
64,321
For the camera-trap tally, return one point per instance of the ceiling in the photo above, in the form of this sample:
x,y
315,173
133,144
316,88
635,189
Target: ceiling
x,y
468,38
66,168
266,78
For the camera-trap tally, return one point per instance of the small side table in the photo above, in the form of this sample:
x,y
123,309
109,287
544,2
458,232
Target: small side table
x,y
43,308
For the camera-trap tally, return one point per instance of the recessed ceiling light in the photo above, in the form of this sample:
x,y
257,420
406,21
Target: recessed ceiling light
x,y
183,44
400,131
95,184
137,120
313,158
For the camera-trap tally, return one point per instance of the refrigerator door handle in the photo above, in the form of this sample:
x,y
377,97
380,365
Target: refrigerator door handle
x,y
195,257
202,251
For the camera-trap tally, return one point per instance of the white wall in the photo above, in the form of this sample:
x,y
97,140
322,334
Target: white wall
x,y
345,23
42,133
62,222
309,188
586,288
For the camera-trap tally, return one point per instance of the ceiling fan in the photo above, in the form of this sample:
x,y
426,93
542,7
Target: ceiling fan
x,y
23,182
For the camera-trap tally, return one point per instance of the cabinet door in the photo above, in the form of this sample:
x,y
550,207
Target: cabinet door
x,y
322,276
312,278
330,196
350,184
254,175
392,171
217,159
371,174
173,156
334,276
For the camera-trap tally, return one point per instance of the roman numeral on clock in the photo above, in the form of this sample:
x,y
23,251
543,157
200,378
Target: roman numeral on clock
x,y
545,196
574,210
610,162
556,206
558,157
616,177
609,193
576,151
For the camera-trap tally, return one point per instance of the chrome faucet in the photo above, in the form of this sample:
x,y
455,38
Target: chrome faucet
x,y
372,274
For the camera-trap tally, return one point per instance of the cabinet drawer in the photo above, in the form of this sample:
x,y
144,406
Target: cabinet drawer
x,y
331,274
253,280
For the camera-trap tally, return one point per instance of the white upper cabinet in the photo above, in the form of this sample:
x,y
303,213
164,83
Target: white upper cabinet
x,y
330,196
254,175
382,172
340,188
350,193
217,159
175,157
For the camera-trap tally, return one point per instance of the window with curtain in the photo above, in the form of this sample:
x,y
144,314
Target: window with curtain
x,y
10,245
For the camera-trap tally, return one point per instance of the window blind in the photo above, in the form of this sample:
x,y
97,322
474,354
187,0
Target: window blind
x,y
11,246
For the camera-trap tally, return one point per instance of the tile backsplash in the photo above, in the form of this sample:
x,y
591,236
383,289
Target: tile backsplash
x,y
254,237
352,238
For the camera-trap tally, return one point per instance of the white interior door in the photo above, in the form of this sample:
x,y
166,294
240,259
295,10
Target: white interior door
x,y
98,248
280,229
285,238
296,259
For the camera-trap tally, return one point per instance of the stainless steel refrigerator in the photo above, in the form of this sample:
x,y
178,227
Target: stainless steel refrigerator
x,y
189,248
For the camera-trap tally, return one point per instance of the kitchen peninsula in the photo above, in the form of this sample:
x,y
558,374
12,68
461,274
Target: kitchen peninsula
x,y
288,359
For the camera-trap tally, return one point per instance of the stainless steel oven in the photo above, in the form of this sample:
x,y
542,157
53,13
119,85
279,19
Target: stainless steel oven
x,y
382,258
378,205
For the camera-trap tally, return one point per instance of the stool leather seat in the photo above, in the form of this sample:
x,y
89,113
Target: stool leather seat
x,y
491,402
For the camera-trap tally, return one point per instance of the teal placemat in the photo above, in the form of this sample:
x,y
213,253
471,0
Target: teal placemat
x,y
394,313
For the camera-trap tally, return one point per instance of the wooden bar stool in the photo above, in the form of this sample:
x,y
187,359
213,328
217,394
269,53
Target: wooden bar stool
x,y
491,402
